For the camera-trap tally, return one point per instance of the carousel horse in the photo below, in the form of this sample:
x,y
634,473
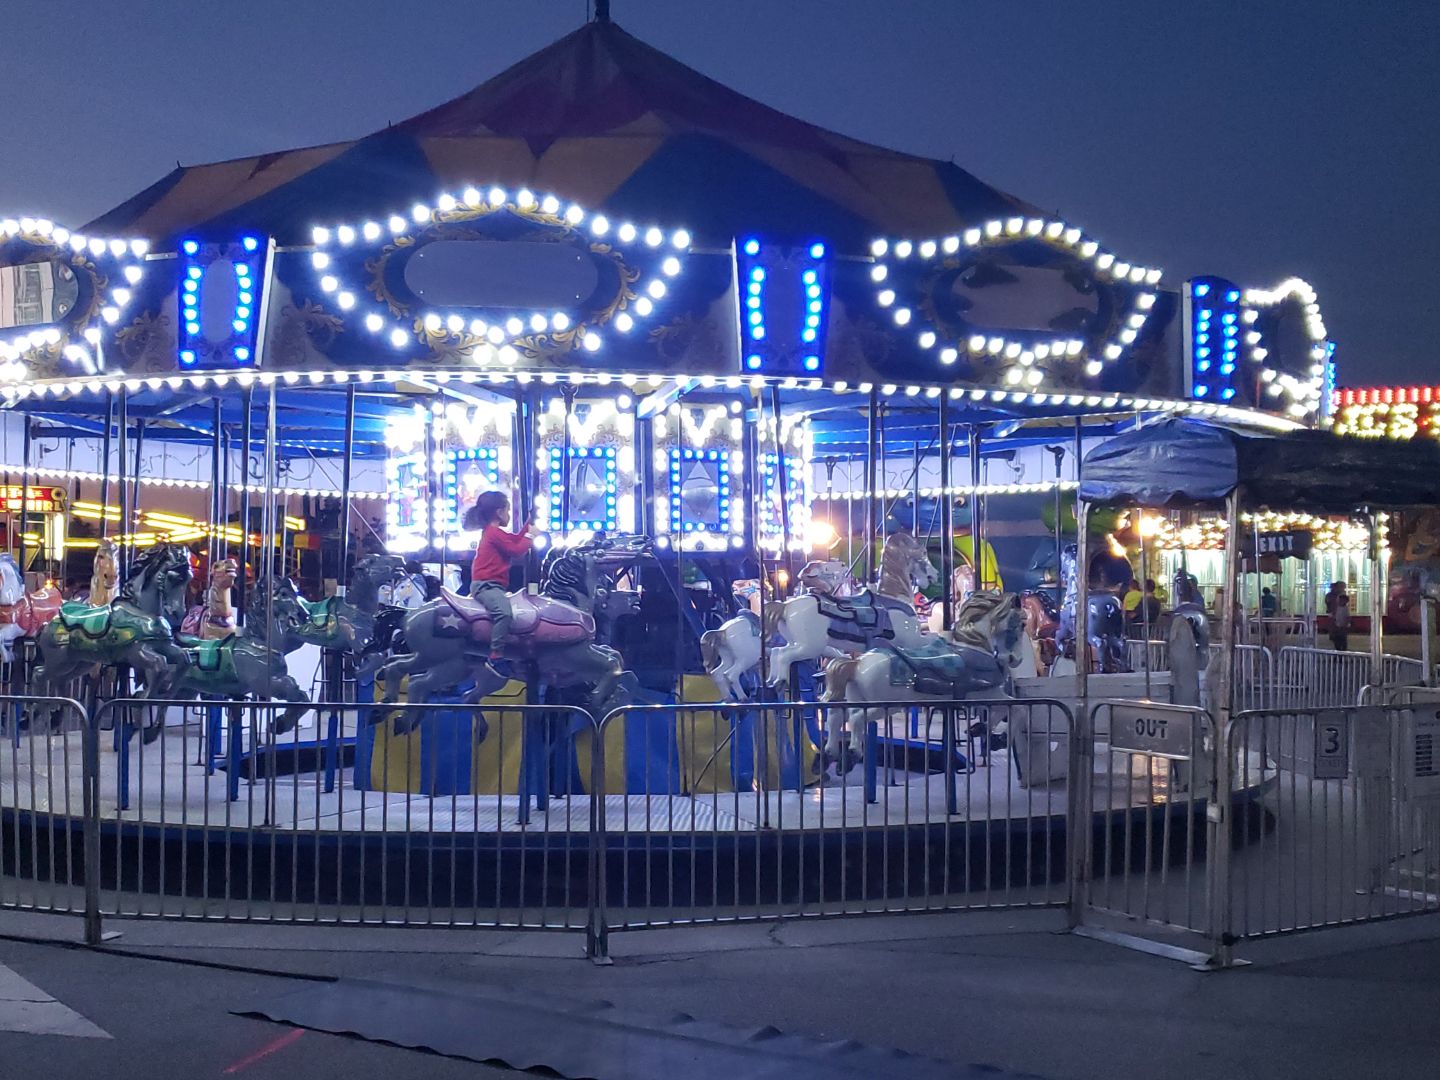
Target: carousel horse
x,y
134,629
820,625
215,618
245,663
21,614
987,643
1042,622
1105,624
449,638
349,622
104,574
962,584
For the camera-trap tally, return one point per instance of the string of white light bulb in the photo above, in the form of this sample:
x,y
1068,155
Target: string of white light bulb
x,y
1303,395
1023,355
496,341
39,472
23,345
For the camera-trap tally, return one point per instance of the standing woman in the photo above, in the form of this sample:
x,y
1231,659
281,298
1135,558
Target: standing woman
x,y
490,571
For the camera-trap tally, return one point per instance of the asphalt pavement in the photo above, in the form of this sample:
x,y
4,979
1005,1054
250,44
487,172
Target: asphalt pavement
x,y
1008,990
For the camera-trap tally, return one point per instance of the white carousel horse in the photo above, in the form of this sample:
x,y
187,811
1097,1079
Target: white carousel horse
x,y
215,619
989,643
407,591
817,625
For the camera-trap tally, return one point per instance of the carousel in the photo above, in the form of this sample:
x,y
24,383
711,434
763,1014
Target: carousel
x,y
797,421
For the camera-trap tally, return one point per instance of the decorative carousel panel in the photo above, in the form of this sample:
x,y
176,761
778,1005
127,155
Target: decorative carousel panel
x,y
785,293
586,465
501,280
1285,337
1214,327
1020,303
699,462
221,298
59,293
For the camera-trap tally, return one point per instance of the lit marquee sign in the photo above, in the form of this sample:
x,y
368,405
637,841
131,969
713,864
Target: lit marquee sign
x,y
1213,314
220,296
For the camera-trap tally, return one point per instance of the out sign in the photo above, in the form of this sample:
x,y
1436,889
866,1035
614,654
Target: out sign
x,y
1150,729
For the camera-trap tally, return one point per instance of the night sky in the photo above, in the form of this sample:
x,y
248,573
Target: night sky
x,y
1252,140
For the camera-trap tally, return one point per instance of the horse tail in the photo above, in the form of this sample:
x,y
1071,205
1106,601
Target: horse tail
x,y
710,649
838,677
773,614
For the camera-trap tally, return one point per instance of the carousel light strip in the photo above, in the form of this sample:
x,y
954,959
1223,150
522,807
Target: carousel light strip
x,y
16,348
1105,402
1038,488
1022,354
496,341
1215,337
177,482
1303,395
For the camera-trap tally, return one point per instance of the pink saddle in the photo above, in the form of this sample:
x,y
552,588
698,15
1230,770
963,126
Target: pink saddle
x,y
538,620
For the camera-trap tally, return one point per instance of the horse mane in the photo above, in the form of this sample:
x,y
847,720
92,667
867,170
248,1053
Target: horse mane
x,y
565,579
971,622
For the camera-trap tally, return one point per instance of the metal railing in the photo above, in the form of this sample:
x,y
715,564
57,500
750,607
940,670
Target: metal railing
x,y
1346,826
913,810
1150,781
1318,678
231,820
540,817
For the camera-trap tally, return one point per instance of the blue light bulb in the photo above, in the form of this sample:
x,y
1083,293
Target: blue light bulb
x,y
1201,391
752,247
242,353
812,363
1202,290
752,362
1232,296
250,243
191,247
817,251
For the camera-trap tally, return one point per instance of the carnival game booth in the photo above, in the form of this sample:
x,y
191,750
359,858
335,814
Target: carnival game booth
x,y
698,342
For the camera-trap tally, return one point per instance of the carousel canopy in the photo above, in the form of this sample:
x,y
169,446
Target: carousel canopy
x,y
606,120
1187,462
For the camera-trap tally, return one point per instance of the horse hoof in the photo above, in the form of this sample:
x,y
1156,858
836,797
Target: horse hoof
x,y
150,732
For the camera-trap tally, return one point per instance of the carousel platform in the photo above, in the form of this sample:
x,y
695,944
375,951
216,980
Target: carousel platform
x,y
176,826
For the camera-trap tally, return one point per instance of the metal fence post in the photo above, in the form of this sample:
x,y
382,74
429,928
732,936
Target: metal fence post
x,y
1217,812
1078,810
90,826
597,930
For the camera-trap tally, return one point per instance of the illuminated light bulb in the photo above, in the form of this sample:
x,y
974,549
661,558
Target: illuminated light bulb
x,y
1113,352
592,341
599,225
626,233
670,266
1093,368
471,197
1012,376
927,249
399,338
950,245
903,249
1088,249
927,340
397,223
346,300
878,248
1033,376
574,214
977,343
680,239
345,234
1012,350
374,323
525,199
1014,225
1104,261
902,316
972,237
370,230
1055,230
319,260
656,288
433,323
1033,227
329,283
654,237
886,297
560,321
420,213
623,322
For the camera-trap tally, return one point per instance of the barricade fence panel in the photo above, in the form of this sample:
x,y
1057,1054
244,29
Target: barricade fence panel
x,y
409,814
42,850
1151,780
1318,678
778,810
1348,821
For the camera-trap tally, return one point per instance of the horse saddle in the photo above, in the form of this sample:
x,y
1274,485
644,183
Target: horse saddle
x,y
863,617
206,654
317,612
939,670
82,618
539,619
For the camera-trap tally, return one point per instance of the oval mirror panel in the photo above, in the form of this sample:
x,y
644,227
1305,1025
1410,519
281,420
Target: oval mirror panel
x,y
518,274
218,292
1002,297
33,294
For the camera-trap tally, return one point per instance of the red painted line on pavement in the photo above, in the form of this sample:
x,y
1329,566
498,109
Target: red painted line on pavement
x,y
265,1051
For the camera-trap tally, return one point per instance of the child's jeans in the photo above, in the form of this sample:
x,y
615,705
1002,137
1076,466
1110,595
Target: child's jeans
x,y
496,600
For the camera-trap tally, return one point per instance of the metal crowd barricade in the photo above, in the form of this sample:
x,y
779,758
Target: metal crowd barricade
x,y
1139,650
1403,670
1318,678
1143,817
430,834
1346,825
728,814
42,843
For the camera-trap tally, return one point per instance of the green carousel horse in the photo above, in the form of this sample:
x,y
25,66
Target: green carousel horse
x,y
136,628
348,622
245,663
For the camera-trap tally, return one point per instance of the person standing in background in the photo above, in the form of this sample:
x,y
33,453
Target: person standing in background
x,y
1337,606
